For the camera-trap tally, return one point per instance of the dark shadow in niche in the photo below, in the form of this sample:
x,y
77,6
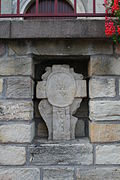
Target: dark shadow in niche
x,y
80,65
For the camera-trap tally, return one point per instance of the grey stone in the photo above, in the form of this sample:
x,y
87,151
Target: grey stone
x,y
19,174
58,173
17,133
104,110
98,173
16,110
64,153
104,65
1,85
108,154
102,87
41,90
12,155
4,29
16,66
19,87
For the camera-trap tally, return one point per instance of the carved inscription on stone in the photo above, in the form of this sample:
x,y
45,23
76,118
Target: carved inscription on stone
x,y
62,91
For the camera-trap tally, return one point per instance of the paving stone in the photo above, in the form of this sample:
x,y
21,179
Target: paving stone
x,y
12,155
19,174
104,110
70,152
104,132
58,173
16,110
102,87
19,87
17,133
108,154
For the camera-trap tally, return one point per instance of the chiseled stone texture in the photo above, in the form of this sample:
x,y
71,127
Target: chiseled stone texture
x,y
19,174
98,173
12,155
19,87
68,152
104,65
1,85
16,110
108,154
102,87
104,110
104,132
18,133
16,65
58,173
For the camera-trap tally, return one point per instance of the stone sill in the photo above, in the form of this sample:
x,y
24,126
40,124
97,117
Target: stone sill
x,y
52,28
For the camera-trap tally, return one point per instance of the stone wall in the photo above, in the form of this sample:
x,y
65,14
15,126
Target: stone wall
x,y
22,156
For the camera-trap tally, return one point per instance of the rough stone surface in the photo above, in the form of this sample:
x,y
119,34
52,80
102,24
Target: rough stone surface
x,y
16,110
16,66
108,154
12,155
72,153
102,87
1,85
2,48
104,132
104,65
18,133
104,110
98,173
58,173
19,87
19,174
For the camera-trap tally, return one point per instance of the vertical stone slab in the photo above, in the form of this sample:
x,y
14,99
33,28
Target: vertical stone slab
x,y
61,123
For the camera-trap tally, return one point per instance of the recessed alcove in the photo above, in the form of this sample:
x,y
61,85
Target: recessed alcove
x,y
80,65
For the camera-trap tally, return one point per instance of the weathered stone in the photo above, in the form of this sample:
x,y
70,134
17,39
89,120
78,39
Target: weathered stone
x,y
16,66
117,49
108,154
12,155
80,128
2,48
104,132
104,65
19,174
98,173
69,152
58,173
18,133
61,92
102,87
19,87
104,110
16,110
1,85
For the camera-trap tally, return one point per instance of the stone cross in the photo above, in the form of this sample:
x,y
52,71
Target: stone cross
x,y
61,92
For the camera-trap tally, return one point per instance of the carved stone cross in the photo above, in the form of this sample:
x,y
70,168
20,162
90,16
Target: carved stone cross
x,y
61,92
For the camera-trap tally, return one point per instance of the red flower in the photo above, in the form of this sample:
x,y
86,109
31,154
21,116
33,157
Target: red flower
x,y
109,28
118,29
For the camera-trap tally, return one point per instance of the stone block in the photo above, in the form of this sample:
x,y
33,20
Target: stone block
x,y
2,48
19,174
108,154
104,110
102,87
104,65
66,153
16,110
104,132
1,85
19,87
16,66
17,133
98,173
58,173
12,155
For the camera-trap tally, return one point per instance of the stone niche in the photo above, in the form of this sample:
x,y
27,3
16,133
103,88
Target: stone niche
x,y
61,101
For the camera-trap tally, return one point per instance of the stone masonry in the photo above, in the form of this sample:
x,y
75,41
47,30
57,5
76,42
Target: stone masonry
x,y
23,156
